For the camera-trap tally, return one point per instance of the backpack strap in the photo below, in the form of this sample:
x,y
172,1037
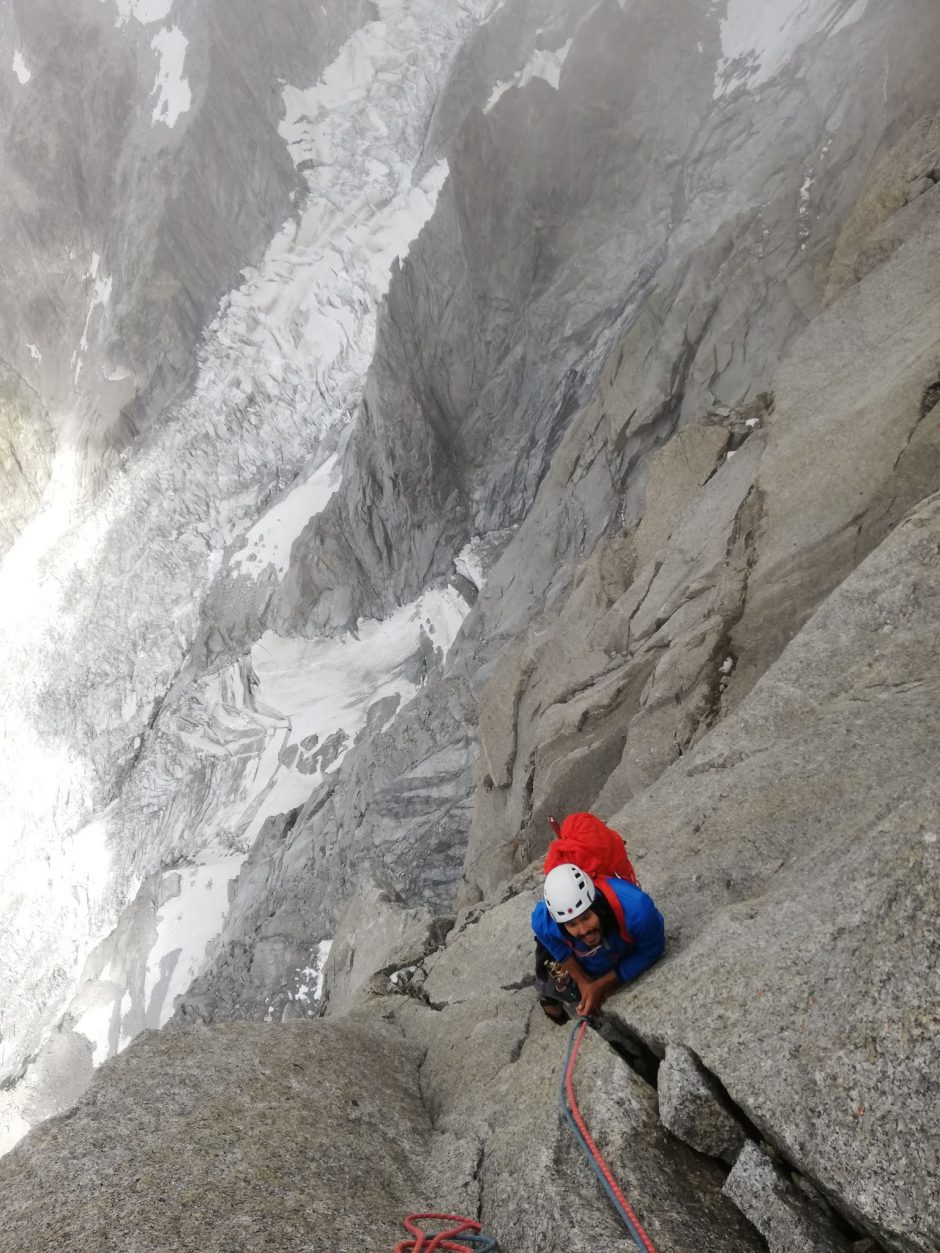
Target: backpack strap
x,y
604,886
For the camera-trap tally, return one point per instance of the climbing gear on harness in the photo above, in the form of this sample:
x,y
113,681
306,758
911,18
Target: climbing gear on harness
x,y
470,1232
558,975
569,1107
568,892
585,841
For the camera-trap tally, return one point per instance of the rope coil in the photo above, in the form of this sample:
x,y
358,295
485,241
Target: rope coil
x,y
472,1238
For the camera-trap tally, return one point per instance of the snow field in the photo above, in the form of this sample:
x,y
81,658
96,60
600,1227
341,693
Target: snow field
x,y
175,97
101,603
20,68
325,686
544,63
762,35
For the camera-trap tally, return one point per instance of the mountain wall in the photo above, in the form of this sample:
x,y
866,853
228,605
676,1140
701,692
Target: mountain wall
x,y
653,406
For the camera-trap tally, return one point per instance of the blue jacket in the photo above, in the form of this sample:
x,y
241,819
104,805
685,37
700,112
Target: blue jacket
x,y
644,925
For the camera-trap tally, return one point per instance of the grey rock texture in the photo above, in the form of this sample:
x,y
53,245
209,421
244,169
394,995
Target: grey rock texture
x,y
599,698
795,855
492,1067
786,1220
691,1108
376,937
393,817
303,1137
584,204
675,1194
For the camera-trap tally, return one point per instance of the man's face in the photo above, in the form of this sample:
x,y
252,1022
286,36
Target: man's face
x,y
586,928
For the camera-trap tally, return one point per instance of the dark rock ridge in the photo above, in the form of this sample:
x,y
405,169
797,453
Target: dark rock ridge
x,y
677,350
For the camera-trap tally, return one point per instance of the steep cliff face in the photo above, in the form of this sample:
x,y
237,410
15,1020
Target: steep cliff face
x,y
124,757
143,172
641,482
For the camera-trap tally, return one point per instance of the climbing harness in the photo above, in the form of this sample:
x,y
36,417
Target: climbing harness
x,y
470,1232
569,1107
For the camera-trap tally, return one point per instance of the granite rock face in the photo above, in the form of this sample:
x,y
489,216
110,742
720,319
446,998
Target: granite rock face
x,y
786,1220
491,1074
236,1137
794,853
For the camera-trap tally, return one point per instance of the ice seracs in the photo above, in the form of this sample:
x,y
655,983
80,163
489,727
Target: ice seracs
x,y
759,36
281,365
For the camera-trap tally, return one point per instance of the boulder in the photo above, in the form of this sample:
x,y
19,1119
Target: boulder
x,y
691,1108
302,1137
786,1220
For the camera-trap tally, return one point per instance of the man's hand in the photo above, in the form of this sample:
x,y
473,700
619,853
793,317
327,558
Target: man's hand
x,y
590,1000
594,992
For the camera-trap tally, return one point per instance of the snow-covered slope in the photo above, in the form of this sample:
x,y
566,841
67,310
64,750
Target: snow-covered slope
x,y
121,758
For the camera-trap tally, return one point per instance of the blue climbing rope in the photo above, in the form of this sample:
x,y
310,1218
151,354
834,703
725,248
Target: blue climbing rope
x,y
569,1107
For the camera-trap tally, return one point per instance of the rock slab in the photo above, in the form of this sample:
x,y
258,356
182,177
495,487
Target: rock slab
x,y
305,1137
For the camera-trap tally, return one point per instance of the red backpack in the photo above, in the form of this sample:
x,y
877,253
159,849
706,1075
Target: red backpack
x,y
599,851
589,844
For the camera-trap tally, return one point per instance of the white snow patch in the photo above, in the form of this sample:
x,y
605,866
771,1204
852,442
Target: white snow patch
x,y
468,563
853,15
186,925
55,888
144,11
323,952
175,96
35,353
13,1126
544,63
269,541
127,1004
310,990
806,187
324,686
100,297
95,1026
758,37
20,68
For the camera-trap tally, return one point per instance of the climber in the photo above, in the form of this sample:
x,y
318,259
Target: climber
x,y
591,938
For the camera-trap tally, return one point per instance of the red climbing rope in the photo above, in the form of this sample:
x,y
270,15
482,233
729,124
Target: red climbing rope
x,y
471,1230
424,1243
601,1168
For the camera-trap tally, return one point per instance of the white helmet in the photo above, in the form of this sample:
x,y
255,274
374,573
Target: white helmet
x,y
568,892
